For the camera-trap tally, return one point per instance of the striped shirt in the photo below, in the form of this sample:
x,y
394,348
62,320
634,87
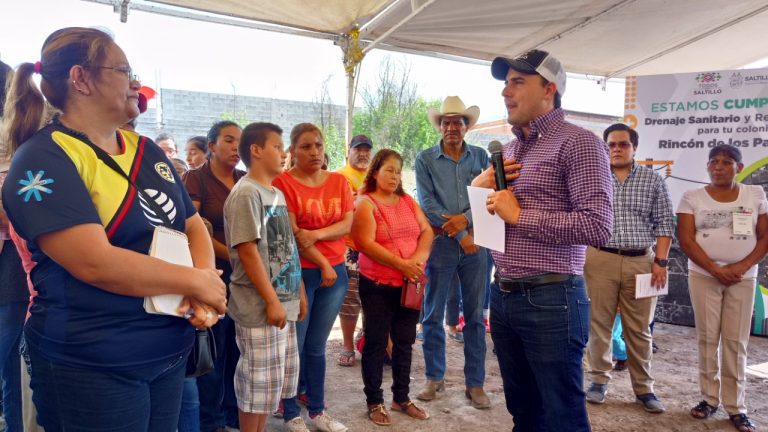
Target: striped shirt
x,y
642,210
565,194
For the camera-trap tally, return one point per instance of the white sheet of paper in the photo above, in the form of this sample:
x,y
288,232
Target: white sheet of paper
x,y
644,289
488,228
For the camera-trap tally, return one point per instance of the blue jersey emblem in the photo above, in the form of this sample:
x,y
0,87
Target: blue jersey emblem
x,y
33,185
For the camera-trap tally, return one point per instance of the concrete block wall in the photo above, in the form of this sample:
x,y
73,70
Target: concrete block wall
x,y
188,113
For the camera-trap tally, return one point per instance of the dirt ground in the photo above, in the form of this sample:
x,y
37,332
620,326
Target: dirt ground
x,y
674,367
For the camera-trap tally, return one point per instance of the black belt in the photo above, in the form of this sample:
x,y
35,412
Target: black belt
x,y
510,285
624,252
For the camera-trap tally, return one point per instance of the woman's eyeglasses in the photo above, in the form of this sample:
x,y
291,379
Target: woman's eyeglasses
x,y
124,69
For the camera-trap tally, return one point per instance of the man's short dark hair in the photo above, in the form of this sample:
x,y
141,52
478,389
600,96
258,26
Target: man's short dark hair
x,y
255,133
634,138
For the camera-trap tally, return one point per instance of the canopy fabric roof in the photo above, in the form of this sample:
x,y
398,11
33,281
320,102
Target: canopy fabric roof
x,y
611,38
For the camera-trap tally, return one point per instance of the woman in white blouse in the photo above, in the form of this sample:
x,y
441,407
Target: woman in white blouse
x,y
723,228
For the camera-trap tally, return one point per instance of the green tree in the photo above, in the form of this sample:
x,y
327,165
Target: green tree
x,y
393,114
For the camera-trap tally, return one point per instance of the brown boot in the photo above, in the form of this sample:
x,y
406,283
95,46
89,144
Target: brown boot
x,y
431,389
478,397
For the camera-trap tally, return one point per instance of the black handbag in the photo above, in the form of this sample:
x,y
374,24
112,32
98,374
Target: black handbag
x,y
203,355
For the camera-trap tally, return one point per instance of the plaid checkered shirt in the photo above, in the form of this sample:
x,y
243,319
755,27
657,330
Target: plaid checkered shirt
x,y
642,210
565,193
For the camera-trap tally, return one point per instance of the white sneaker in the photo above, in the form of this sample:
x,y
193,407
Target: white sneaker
x,y
296,425
326,423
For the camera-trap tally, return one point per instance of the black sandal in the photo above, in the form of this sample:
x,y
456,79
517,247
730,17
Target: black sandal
x,y
703,410
742,423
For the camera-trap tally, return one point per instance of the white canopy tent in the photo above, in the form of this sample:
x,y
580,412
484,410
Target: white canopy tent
x,y
603,38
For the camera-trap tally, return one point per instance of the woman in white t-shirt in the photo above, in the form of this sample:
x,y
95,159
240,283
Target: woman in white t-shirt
x,y
723,228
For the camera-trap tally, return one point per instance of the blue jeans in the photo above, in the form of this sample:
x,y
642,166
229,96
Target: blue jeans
x,y
216,388
189,417
540,334
11,326
323,304
446,262
453,304
147,398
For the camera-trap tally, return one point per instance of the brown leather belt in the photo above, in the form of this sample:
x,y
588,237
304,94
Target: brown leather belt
x,y
624,252
512,285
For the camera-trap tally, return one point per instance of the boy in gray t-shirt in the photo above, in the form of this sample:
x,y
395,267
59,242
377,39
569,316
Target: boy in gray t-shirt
x,y
267,295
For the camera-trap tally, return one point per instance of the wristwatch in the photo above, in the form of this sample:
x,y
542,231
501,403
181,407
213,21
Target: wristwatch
x,y
661,262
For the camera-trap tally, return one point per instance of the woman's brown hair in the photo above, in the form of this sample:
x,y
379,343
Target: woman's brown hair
x,y
301,129
369,184
25,106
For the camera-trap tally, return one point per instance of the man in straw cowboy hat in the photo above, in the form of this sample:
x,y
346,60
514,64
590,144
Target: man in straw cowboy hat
x,y
560,201
443,173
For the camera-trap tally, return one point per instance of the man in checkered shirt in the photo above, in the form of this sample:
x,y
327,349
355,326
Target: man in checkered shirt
x,y
643,217
560,200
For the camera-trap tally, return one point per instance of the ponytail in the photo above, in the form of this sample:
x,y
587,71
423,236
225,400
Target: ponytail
x,y
24,108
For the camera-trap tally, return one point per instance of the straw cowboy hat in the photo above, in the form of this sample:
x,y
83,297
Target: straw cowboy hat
x,y
453,105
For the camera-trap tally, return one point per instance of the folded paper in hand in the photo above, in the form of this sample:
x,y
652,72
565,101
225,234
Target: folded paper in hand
x,y
171,246
644,288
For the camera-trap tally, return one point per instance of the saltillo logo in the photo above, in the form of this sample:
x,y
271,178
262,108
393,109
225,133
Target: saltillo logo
x,y
165,172
163,201
708,83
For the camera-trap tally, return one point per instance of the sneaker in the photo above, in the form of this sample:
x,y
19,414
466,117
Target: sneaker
x,y
651,403
296,425
420,335
487,325
620,365
596,393
325,423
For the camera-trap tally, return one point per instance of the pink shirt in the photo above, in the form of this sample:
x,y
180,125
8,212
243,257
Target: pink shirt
x,y
397,230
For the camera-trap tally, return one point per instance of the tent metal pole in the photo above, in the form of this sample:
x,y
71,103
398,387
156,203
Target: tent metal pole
x,y
350,110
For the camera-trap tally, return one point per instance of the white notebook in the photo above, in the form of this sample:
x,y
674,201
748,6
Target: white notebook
x,y
171,246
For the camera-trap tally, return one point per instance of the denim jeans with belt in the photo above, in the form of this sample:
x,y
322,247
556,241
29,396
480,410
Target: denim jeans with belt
x,y
323,304
143,399
540,333
11,326
446,261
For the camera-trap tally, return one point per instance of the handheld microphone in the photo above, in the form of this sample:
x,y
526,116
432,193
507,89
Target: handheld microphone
x,y
494,147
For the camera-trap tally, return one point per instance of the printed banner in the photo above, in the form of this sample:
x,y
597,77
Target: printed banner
x,y
679,118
